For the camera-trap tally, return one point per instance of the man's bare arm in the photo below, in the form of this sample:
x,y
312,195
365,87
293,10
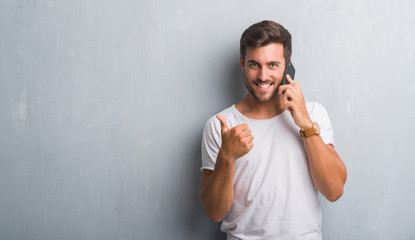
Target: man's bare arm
x,y
327,169
217,185
217,189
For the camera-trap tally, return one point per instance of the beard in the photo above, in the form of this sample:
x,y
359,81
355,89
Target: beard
x,y
257,96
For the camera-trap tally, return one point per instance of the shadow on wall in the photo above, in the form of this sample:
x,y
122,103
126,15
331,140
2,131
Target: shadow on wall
x,y
232,92
197,222
235,89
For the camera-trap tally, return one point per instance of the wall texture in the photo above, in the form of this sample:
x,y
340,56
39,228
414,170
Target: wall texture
x,y
102,105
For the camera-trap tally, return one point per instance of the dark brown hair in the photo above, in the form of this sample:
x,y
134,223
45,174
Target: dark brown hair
x,y
263,33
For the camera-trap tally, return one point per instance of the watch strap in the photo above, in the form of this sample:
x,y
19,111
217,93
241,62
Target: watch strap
x,y
314,130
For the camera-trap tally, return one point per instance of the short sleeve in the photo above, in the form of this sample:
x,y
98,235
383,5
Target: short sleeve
x,y
319,115
211,142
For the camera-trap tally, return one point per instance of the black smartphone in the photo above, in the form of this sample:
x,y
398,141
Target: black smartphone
x,y
290,70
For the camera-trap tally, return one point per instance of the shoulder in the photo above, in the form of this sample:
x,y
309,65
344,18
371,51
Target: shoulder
x,y
319,114
316,110
315,107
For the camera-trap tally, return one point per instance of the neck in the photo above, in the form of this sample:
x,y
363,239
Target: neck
x,y
255,109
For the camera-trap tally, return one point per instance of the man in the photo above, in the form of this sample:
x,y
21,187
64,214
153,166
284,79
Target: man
x,y
260,176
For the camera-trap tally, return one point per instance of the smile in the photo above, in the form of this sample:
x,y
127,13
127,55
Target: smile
x,y
263,86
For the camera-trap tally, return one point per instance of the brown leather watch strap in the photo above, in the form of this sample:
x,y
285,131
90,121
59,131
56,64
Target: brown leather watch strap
x,y
315,130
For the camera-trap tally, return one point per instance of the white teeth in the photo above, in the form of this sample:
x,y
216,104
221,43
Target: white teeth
x,y
264,85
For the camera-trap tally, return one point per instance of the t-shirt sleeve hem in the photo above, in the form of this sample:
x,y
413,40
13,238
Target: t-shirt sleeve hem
x,y
207,168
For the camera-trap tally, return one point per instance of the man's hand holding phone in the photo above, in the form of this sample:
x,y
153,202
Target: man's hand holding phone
x,y
293,101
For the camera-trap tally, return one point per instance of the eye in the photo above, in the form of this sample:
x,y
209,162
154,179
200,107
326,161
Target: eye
x,y
253,65
273,65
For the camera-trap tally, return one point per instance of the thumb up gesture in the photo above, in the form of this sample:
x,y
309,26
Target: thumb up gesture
x,y
237,141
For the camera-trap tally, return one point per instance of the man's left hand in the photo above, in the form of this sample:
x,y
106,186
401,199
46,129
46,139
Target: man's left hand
x,y
293,101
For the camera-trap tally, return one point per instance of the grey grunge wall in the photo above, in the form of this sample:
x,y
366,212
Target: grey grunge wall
x,y
102,105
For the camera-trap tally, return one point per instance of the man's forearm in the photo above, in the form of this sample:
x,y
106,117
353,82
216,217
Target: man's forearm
x,y
217,193
327,169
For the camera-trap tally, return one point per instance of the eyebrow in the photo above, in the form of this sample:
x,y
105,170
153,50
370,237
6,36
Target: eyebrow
x,y
271,62
252,61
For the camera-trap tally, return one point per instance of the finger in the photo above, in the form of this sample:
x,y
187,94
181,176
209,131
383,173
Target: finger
x,y
223,123
289,78
246,133
250,146
289,104
289,93
249,139
243,126
293,83
287,101
281,89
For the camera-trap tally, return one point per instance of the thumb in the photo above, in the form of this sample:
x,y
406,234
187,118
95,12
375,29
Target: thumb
x,y
223,124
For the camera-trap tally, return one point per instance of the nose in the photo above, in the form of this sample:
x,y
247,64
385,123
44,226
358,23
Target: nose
x,y
263,74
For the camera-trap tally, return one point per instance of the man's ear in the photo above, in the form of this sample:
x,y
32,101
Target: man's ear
x,y
241,62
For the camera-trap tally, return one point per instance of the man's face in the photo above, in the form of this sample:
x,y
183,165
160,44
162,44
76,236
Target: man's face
x,y
263,69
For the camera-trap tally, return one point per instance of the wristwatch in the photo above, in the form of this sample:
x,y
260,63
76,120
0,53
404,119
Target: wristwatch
x,y
315,130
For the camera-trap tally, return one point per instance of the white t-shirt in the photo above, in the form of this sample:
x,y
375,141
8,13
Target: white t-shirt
x,y
274,195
